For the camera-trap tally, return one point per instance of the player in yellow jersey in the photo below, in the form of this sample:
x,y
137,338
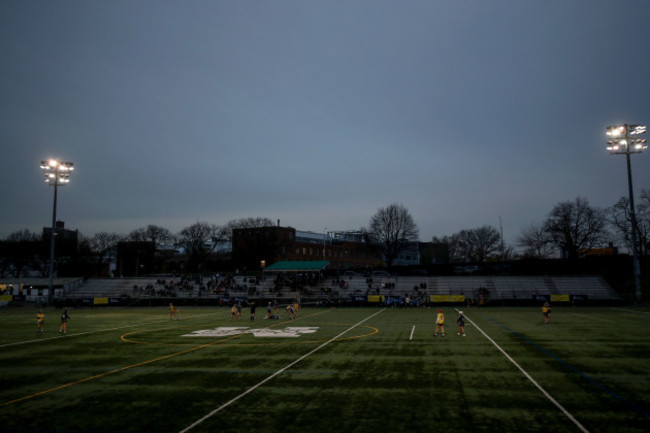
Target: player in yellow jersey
x,y
234,312
172,312
440,324
546,312
40,321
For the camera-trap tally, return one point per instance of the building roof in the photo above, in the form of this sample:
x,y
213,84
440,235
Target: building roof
x,y
295,266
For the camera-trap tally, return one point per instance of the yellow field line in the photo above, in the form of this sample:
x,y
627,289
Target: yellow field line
x,y
108,373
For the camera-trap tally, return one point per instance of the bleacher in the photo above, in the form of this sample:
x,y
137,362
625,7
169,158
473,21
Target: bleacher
x,y
499,287
109,287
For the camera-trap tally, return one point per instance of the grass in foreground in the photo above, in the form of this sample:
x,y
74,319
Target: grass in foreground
x,y
134,370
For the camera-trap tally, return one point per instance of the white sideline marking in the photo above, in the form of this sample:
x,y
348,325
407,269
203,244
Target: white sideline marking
x,y
254,387
529,377
627,310
412,330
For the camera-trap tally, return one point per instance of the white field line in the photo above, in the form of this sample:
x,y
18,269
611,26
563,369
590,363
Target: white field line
x,y
254,387
18,343
411,336
631,311
533,381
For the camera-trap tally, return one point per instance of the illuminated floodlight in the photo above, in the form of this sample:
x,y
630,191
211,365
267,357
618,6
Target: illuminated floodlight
x,y
616,131
625,140
621,141
56,173
637,129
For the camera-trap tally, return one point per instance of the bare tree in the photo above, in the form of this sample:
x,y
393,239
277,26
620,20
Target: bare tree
x,y
21,250
152,233
487,241
102,247
393,228
535,242
197,242
24,235
476,245
621,221
575,225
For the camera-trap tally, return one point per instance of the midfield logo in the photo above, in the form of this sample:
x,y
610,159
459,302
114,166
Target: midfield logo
x,y
227,331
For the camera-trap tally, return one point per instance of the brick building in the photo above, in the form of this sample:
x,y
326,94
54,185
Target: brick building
x,y
255,248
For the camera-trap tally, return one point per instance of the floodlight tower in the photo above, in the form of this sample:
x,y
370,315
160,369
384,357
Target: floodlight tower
x,y
56,173
626,139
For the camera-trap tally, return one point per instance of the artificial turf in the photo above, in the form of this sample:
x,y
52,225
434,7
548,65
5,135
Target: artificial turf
x,y
363,370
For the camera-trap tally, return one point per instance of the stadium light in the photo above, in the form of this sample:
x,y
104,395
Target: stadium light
x,y
56,173
625,140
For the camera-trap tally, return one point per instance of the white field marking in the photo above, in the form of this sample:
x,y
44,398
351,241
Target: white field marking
x,y
631,311
412,330
18,343
254,387
529,377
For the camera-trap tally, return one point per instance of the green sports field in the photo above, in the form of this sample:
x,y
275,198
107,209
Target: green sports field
x,y
331,370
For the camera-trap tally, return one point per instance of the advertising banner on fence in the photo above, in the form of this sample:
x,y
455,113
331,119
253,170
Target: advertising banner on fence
x,y
100,301
393,300
560,298
447,298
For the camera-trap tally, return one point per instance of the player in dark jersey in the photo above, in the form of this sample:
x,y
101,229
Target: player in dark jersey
x,y
461,323
64,322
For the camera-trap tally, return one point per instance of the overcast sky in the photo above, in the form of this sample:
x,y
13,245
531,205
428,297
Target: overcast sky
x,y
317,113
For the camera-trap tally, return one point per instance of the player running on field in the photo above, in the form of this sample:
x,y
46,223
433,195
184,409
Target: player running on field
x,y
64,322
440,324
546,312
40,321
292,311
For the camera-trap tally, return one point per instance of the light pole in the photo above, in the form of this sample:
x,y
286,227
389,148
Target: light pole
x,y
626,139
56,173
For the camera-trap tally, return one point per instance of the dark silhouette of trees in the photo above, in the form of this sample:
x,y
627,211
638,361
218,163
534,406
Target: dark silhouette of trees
x,y
620,220
393,228
198,242
472,245
535,242
152,233
574,226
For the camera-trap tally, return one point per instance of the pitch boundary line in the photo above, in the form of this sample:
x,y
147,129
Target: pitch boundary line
x,y
254,387
530,378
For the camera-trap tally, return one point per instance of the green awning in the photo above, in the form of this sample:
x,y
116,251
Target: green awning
x,y
304,266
